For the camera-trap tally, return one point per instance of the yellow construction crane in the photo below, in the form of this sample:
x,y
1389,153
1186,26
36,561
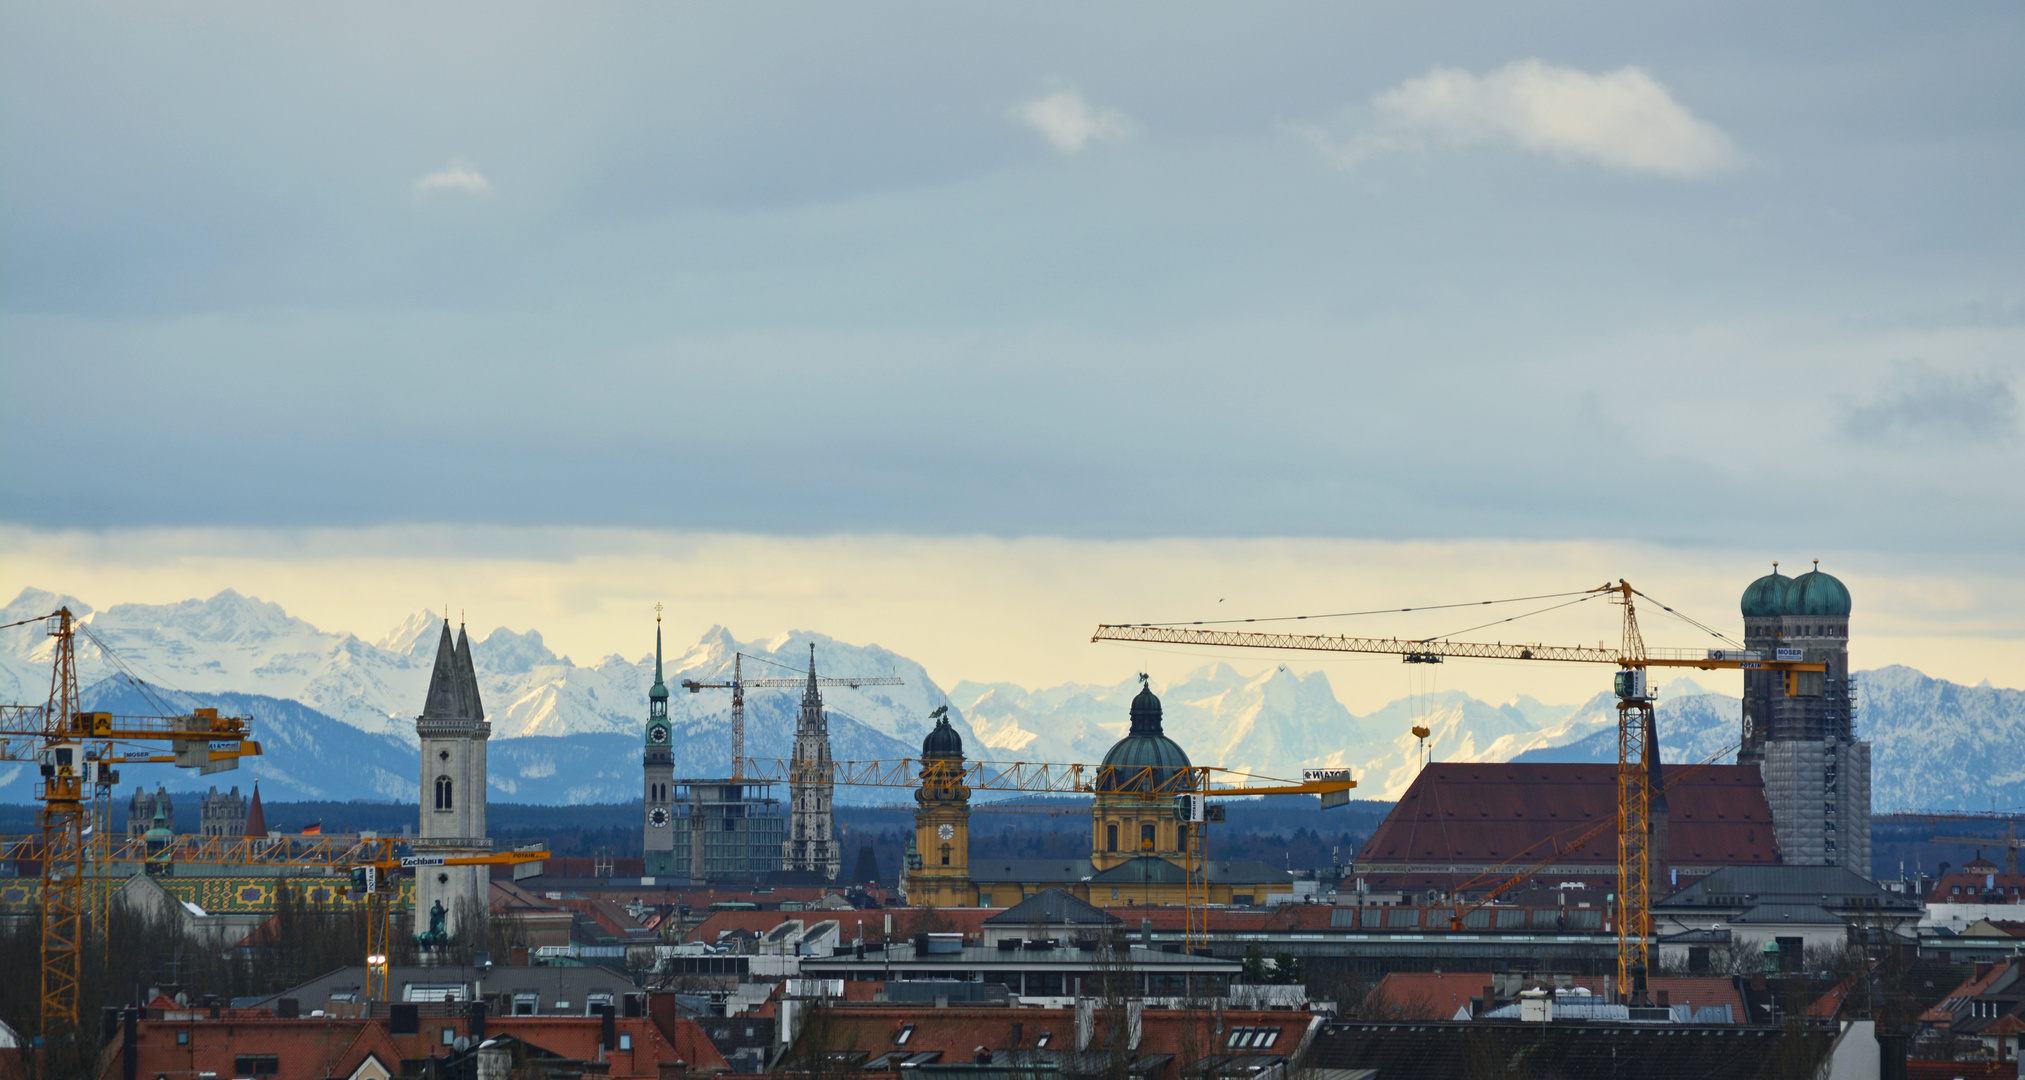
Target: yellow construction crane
x,y
1637,740
75,752
739,684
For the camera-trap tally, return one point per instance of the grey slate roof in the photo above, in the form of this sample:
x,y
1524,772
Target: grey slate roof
x,y
1788,915
1056,908
1147,868
1824,886
1031,870
553,984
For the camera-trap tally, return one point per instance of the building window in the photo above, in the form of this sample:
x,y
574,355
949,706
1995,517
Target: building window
x,y
625,1040
449,1035
1146,837
256,1065
182,1038
442,793
1111,837
1114,892
945,854
906,1033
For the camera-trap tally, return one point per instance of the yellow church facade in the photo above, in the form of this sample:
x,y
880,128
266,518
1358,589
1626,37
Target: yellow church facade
x,y
1138,844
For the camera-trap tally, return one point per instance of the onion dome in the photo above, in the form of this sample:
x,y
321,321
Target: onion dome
x,y
1145,745
1817,594
1766,597
943,742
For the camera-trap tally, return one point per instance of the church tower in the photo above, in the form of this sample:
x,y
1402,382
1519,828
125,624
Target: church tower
x,y
938,873
660,769
1799,727
1127,820
452,731
811,842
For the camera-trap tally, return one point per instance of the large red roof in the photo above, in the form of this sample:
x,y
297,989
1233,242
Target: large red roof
x,y
1491,813
1437,995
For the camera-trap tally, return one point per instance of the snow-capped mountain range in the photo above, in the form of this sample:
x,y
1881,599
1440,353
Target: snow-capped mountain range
x,y
335,712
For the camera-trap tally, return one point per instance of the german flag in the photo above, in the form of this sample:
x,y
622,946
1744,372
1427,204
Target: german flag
x,y
314,830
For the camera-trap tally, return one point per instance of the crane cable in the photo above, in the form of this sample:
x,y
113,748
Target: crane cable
x,y
1691,621
1374,611
1515,618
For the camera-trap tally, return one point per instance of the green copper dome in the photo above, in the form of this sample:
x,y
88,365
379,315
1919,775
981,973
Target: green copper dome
x,y
1145,745
1766,597
1816,593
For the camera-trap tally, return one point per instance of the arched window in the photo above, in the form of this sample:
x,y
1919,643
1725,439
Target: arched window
x,y
945,854
1111,837
443,793
1146,837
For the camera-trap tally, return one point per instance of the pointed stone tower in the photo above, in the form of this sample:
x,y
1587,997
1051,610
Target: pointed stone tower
x,y
812,838
452,731
659,843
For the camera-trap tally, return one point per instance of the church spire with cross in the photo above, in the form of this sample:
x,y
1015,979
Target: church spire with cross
x,y
811,843
658,843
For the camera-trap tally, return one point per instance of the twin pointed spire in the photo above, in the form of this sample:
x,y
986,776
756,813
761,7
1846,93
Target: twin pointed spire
x,y
453,685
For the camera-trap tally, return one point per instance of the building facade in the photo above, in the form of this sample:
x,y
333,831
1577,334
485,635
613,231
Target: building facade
x,y
658,789
222,815
1138,847
452,731
1799,728
723,831
811,844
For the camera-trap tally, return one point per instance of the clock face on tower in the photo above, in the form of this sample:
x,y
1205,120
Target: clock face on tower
x,y
945,831
657,734
659,817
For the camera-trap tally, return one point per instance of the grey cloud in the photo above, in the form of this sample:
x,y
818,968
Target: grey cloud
x,y
1922,403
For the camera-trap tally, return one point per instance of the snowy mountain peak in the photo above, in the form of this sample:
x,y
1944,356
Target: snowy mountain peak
x,y
415,635
504,652
31,602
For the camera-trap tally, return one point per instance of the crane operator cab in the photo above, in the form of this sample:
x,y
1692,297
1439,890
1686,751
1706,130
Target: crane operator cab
x,y
70,765
1630,684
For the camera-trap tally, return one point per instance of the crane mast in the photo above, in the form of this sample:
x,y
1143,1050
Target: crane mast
x,y
738,685
75,751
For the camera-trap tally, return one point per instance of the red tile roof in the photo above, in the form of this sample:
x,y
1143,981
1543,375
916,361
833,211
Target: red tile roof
x,y
1959,888
335,1046
1717,815
1958,999
1421,995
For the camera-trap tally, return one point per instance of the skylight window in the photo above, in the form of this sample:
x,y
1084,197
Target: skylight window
x,y
906,1033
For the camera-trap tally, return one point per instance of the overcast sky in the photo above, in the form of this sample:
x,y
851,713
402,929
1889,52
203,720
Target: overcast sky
x,y
1737,278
